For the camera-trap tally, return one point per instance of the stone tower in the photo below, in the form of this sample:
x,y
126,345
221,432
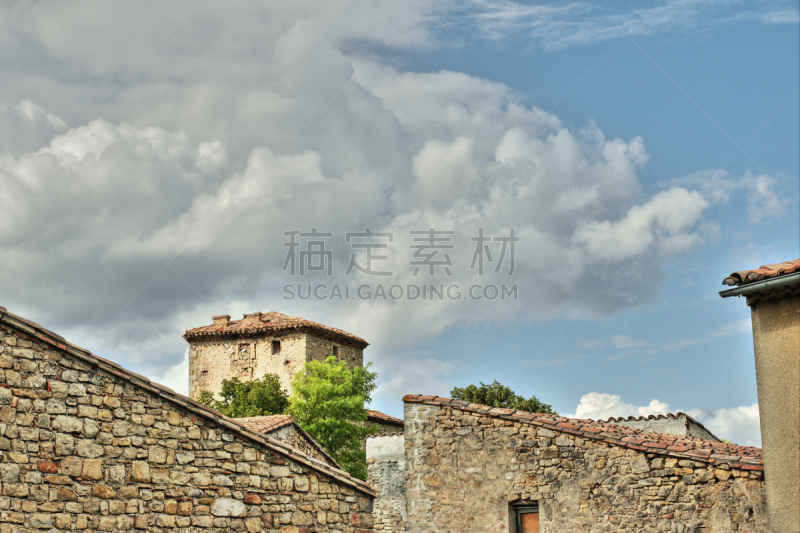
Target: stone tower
x,y
263,343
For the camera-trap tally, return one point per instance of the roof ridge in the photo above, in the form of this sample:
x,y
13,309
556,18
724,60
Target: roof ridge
x,y
269,322
45,335
746,457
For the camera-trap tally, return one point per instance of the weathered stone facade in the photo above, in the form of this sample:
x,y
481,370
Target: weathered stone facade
x,y
89,446
285,429
263,343
467,466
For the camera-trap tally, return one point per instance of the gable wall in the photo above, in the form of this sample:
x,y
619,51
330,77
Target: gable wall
x,y
85,449
464,470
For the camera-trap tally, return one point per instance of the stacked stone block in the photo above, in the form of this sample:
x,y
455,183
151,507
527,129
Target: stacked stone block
x,y
465,471
88,446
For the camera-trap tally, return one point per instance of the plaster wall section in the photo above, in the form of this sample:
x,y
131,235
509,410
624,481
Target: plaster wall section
x,y
386,475
465,471
776,339
680,425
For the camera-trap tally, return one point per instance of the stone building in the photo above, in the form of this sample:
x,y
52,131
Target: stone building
x,y
263,343
89,446
773,295
389,425
671,424
470,467
285,429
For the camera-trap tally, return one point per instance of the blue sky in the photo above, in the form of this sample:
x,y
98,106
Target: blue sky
x,y
152,157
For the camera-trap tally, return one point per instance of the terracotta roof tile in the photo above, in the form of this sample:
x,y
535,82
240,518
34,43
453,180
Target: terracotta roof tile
x,y
39,334
688,447
264,424
383,417
743,277
269,323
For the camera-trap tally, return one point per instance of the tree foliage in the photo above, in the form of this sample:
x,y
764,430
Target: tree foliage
x,y
328,401
498,395
258,397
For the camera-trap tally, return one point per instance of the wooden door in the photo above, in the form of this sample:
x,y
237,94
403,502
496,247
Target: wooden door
x,y
529,523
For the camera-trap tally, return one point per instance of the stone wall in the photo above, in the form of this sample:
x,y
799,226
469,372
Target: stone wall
x,y
296,439
318,349
214,359
465,470
386,474
90,446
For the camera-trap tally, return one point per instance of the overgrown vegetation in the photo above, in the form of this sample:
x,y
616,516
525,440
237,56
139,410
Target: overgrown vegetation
x,y
498,395
328,401
259,397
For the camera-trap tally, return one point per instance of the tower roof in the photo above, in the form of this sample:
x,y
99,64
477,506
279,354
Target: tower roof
x,y
270,323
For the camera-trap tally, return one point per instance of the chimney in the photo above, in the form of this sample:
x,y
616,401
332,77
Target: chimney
x,y
221,320
255,318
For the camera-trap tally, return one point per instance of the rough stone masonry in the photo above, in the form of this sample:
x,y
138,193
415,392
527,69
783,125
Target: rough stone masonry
x,y
88,446
471,468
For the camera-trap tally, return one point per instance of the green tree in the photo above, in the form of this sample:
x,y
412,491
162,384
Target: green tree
x,y
498,395
328,402
258,397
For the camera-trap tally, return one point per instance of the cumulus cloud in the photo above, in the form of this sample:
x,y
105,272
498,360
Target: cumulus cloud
x,y
739,425
170,202
597,406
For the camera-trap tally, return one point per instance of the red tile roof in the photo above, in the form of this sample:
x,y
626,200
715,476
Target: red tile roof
x,y
377,416
37,333
264,424
270,323
742,457
743,277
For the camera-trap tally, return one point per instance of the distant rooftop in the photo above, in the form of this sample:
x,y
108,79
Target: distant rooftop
x,y
270,323
671,423
743,277
712,452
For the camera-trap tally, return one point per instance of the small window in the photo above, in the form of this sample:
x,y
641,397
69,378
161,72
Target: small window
x,y
336,351
276,347
527,518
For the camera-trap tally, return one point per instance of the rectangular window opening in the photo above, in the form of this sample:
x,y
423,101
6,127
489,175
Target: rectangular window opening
x,y
526,518
336,351
276,347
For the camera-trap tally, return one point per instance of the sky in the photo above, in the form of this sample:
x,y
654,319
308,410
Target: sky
x,y
579,177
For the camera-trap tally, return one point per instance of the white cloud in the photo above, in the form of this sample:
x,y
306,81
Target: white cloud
x,y
765,196
598,406
414,375
739,425
555,26
176,377
293,131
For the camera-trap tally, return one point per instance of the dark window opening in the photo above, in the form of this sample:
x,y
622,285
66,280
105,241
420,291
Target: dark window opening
x,y
276,347
336,351
526,518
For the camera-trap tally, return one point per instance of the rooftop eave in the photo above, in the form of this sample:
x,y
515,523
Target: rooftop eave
x,y
764,285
